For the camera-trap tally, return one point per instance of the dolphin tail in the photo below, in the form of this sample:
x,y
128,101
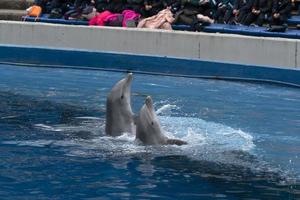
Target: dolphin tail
x,y
176,142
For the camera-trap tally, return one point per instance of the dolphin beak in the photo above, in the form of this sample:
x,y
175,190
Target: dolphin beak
x,y
129,78
127,84
149,102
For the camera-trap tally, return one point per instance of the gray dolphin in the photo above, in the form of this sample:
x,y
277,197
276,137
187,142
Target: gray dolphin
x,y
148,129
119,115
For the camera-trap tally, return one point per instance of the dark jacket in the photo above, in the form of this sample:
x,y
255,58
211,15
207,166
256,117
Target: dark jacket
x,y
227,3
265,6
243,5
283,7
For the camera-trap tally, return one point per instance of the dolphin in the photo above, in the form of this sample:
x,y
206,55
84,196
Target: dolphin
x,y
148,129
119,115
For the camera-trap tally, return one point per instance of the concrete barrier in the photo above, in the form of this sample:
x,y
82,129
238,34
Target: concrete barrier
x,y
272,52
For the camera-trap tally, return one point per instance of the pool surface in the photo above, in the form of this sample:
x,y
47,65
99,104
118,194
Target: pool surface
x,y
243,139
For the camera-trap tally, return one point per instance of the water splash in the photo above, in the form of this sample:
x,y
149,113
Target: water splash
x,y
87,138
166,109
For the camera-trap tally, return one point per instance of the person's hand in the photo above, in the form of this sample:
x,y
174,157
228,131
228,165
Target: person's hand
x,y
235,12
148,7
276,15
256,12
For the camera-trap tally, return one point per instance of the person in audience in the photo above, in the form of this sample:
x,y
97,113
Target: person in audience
x,y
116,6
281,11
101,5
190,12
241,9
135,5
83,3
173,4
296,6
44,4
195,13
62,5
152,7
223,13
260,13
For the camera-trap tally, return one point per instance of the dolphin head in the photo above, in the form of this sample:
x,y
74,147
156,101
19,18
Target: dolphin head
x,y
150,116
148,127
120,93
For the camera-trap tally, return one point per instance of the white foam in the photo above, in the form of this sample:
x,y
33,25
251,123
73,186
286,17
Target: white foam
x,y
88,118
47,127
90,124
157,85
197,131
204,139
10,117
33,143
165,108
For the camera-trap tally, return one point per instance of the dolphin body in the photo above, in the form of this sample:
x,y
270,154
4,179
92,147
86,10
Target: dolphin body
x,y
148,129
119,115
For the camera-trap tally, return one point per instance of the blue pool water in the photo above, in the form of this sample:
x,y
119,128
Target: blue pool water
x,y
243,139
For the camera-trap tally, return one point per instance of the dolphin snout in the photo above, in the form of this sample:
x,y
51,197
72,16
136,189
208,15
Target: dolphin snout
x,y
129,77
149,102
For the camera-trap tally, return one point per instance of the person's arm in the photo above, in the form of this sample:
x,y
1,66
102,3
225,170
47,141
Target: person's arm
x,y
267,8
255,5
275,6
236,7
248,5
286,8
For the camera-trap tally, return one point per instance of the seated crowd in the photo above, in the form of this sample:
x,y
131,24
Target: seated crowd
x,y
196,13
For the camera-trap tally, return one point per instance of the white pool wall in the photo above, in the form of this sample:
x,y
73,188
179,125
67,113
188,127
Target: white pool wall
x,y
261,51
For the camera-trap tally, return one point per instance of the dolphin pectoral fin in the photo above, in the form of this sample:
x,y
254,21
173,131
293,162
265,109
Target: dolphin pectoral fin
x,y
176,142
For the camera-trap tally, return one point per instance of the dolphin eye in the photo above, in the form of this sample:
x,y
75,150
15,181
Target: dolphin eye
x,y
122,97
152,123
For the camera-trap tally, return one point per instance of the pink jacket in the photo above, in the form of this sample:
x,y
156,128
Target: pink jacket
x,y
130,15
99,19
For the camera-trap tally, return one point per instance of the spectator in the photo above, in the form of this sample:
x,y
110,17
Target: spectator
x,y
152,7
116,6
241,9
101,5
136,5
62,5
44,4
260,12
281,10
224,10
83,3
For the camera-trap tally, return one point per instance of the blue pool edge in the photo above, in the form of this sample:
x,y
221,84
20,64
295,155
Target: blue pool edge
x,y
145,64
